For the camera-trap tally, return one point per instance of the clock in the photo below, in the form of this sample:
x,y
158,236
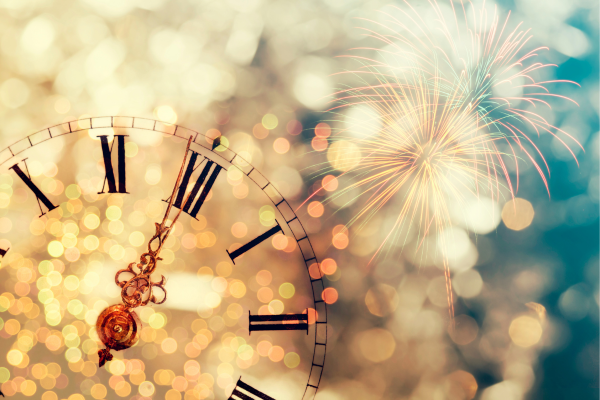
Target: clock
x,y
141,258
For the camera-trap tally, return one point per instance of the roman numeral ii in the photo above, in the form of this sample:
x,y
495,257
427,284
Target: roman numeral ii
x,y
108,166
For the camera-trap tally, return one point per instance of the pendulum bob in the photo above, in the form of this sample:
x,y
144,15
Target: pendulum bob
x,y
118,328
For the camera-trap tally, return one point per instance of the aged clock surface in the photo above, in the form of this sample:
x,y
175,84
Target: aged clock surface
x,y
245,313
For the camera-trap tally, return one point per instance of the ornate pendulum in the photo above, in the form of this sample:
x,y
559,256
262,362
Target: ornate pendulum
x,y
118,326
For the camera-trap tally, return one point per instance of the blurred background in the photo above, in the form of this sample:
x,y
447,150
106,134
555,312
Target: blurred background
x,y
527,299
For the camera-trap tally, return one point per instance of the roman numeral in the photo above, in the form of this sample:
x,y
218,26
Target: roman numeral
x,y
108,167
41,197
281,322
253,394
235,254
192,205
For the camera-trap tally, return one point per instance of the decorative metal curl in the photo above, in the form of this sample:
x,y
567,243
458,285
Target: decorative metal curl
x,y
138,290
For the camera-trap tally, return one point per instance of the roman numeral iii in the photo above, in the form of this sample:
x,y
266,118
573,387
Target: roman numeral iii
x,y
108,166
41,197
281,322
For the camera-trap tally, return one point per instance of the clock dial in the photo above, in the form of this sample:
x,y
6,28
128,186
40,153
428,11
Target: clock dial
x,y
242,312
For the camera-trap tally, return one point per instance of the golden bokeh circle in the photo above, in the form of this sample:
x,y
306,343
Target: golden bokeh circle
x,y
382,300
376,345
343,155
461,385
525,331
517,214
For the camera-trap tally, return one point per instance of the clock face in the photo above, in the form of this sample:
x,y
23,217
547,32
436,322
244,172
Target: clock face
x,y
245,310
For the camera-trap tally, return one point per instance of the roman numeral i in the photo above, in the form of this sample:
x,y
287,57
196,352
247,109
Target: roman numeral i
x,y
235,254
41,197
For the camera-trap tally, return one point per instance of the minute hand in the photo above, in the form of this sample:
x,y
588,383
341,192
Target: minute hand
x,y
162,230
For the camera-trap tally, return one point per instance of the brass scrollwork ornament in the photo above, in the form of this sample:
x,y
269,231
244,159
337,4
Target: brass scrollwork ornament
x,y
138,290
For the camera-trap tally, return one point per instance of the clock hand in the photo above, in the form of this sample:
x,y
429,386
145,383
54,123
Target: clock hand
x,y
163,230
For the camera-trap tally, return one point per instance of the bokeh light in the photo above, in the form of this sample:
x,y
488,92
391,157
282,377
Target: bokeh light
x,y
517,214
525,331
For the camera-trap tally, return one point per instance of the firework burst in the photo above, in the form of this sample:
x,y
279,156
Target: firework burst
x,y
449,108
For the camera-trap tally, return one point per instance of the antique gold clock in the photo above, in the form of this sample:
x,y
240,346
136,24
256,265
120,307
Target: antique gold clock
x,y
142,259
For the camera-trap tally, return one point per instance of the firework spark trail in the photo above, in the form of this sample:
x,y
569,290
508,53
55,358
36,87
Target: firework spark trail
x,y
442,129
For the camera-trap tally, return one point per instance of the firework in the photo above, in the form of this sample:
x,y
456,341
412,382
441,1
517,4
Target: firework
x,y
449,108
